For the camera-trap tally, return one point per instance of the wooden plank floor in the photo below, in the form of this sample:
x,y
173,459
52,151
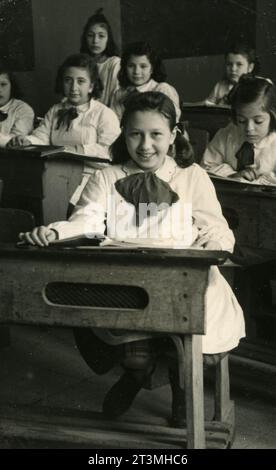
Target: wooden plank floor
x,y
42,368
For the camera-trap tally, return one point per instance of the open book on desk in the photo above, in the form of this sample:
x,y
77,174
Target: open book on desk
x,y
102,241
50,151
35,151
80,157
264,182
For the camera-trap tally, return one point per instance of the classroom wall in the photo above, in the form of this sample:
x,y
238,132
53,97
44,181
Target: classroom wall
x,y
58,25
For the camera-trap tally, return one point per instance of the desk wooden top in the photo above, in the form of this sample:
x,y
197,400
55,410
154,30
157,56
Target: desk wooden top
x,y
206,110
238,188
108,253
35,153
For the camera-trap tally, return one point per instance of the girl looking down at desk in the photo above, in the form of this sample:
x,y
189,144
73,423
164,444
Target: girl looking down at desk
x,y
79,122
181,202
141,70
97,41
16,116
246,148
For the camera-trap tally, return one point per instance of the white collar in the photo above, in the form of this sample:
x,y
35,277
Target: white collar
x,y
6,106
165,172
80,108
146,86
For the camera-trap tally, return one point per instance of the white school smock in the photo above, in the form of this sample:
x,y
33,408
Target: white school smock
x,y
20,120
220,155
224,318
90,134
218,95
121,94
108,73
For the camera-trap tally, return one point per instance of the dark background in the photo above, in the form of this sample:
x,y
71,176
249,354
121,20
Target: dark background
x,y
16,34
188,28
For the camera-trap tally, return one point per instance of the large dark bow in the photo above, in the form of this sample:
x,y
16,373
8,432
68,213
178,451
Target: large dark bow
x,y
145,188
66,116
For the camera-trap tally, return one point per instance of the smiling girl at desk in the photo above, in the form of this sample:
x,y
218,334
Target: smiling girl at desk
x,y
141,70
79,122
246,148
16,116
145,174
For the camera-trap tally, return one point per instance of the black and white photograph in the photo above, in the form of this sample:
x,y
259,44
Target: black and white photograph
x,y
138,229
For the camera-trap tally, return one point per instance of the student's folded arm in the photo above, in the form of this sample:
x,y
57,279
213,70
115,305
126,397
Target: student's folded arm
x,y
107,131
89,215
208,216
24,121
42,134
23,124
212,97
214,158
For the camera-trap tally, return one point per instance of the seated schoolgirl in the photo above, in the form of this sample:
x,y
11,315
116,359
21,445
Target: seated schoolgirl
x,y
79,122
239,59
16,116
141,70
145,174
247,146
97,41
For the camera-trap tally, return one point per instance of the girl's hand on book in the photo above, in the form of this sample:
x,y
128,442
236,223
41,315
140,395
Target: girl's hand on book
x,y
203,242
19,141
248,174
40,236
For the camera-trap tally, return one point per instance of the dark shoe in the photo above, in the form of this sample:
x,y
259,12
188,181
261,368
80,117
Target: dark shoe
x,y
120,397
178,417
100,357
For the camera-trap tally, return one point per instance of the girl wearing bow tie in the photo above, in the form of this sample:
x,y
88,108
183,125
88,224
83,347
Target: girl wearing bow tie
x,y
247,147
145,174
79,122
16,116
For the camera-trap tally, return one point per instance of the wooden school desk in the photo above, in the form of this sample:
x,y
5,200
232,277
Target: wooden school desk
x,y
251,213
251,210
41,184
153,290
209,118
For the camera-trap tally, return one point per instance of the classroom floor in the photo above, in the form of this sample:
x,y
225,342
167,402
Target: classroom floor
x,y
42,367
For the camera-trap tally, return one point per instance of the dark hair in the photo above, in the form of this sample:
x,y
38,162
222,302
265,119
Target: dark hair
x,y
15,90
83,61
141,48
244,49
99,18
248,90
153,101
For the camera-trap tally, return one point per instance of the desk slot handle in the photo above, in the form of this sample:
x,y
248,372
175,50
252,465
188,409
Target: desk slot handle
x,y
107,296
